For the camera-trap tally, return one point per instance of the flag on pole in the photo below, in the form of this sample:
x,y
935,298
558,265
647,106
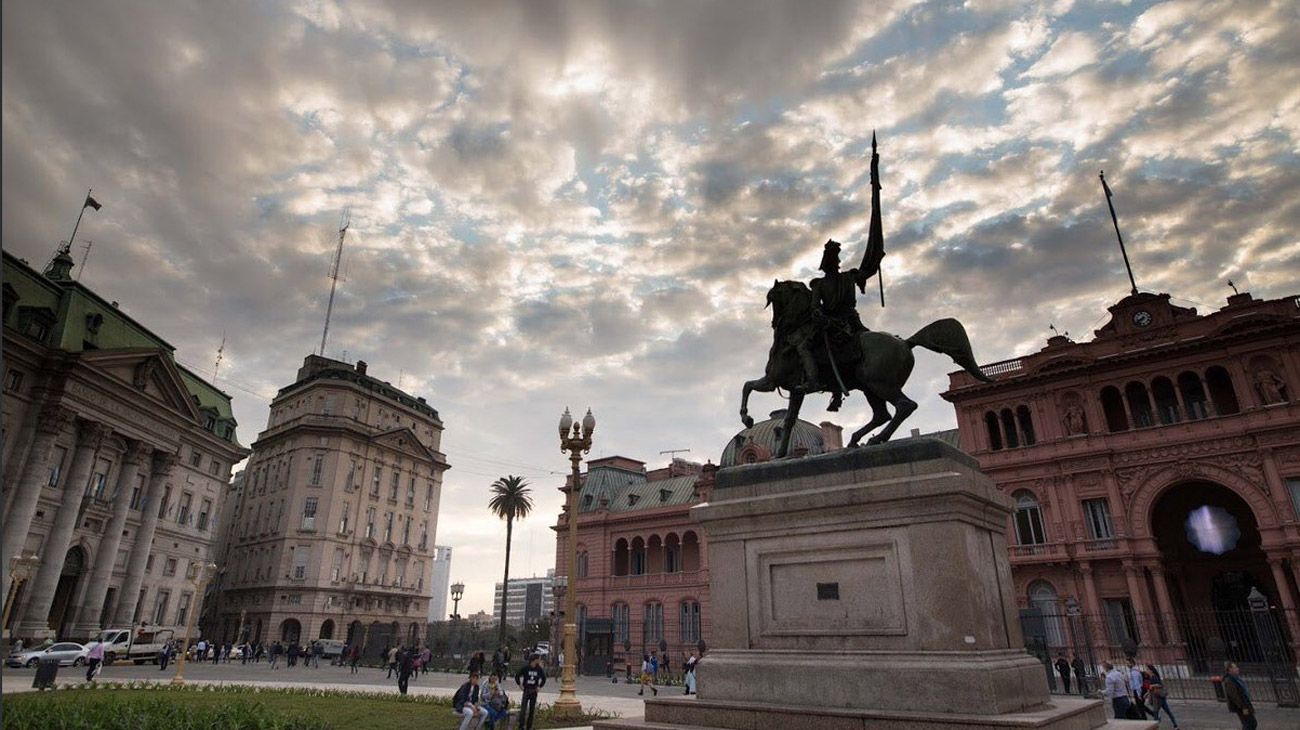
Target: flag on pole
x,y
91,203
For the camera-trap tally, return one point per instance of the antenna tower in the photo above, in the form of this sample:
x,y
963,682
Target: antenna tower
x,y
672,453
344,222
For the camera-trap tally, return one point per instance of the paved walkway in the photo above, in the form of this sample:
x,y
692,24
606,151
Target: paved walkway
x,y
594,692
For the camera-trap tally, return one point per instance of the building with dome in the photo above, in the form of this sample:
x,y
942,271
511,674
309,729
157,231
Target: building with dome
x,y
643,571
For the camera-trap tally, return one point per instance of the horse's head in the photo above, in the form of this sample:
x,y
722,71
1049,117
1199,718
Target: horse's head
x,y
789,300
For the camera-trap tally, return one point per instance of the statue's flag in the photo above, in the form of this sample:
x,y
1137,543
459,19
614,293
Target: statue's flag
x,y
91,203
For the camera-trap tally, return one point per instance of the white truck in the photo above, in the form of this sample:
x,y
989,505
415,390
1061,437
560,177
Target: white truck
x,y
138,645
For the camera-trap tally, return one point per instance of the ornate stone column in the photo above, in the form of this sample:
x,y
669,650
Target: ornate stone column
x,y
161,471
27,491
92,604
35,622
1284,597
1141,606
1166,618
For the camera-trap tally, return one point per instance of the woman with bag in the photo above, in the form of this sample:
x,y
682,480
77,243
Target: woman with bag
x,y
1157,698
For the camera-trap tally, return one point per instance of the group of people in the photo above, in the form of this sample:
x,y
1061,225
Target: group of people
x,y
481,706
1137,692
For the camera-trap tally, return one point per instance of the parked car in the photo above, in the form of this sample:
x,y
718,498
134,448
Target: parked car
x,y
66,652
543,649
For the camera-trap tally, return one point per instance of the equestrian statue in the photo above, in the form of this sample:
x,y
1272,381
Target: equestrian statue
x,y
820,345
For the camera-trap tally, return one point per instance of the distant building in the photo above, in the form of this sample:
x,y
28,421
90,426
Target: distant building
x,y
530,600
440,582
333,534
481,620
1155,470
643,571
116,459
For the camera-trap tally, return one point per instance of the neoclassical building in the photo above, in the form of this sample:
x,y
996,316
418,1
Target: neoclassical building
x,y
643,568
332,536
1155,470
115,462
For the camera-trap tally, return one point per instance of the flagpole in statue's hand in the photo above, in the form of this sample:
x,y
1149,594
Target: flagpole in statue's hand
x,y
876,237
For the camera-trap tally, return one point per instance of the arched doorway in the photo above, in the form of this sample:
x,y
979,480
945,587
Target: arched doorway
x,y
74,564
327,629
1209,541
290,630
354,633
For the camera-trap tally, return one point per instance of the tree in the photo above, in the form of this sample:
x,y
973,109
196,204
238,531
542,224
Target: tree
x,y
511,500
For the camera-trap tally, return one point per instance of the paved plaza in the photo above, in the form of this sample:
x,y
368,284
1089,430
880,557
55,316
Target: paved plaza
x,y
594,692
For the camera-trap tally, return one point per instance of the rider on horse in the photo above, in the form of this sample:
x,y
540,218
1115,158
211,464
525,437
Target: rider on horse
x,y
837,323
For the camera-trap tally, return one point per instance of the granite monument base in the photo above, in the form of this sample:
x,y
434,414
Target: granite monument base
x,y
864,588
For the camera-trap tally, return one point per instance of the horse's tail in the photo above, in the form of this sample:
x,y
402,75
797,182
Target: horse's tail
x,y
948,337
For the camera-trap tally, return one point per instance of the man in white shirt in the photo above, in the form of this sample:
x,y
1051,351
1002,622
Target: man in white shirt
x,y
1116,690
1135,686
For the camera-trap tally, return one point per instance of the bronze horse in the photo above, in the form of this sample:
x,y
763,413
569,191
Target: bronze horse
x,y
880,373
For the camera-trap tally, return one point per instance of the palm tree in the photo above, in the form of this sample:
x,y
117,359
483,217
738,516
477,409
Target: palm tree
x,y
511,500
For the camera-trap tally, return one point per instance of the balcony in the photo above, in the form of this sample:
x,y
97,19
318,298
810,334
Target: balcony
x,y
1099,545
1050,552
656,579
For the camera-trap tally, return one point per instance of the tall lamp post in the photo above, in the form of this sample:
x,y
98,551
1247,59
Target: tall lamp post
x,y
21,568
575,439
199,577
457,590
559,585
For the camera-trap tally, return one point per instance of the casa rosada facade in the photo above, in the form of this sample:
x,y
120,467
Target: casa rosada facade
x,y
1155,469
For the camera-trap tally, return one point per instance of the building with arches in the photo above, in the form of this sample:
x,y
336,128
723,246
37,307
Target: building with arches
x,y
116,460
1155,471
643,570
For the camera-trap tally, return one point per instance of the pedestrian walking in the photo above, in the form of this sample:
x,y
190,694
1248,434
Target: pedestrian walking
x,y
495,703
405,666
476,661
1080,673
426,657
316,651
392,661
164,656
216,652
530,679
1116,690
1239,704
276,650
293,653
201,650
1157,698
465,703
1135,687
94,660
1063,669
647,676
355,658
498,663
688,679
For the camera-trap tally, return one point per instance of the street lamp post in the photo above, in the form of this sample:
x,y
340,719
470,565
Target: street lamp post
x,y
575,439
559,585
21,568
199,577
457,590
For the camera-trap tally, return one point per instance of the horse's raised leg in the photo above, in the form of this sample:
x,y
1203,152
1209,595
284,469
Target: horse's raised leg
x,y
903,407
762,385
879,414
791,417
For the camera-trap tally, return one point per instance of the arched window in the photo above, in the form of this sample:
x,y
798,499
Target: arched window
x,y
654,552
1189,386
1029,520
672,553
622,623
620,557
652,629
1113,406
1219,383
995,432
1043,597
1009,429
327,629
290,630
1138,404
690,551
638,556
689,620
582,562
1026,422
1162,389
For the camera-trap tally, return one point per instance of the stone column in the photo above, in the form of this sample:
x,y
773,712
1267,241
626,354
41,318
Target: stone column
x,y
92,604
35,623
1166,604
161,471
27,491
1142,614
1285,598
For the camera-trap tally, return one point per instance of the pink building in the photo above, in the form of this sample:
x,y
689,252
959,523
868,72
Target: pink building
x,y
1156,475
643,572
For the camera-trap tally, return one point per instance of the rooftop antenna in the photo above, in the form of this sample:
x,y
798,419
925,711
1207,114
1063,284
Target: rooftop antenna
x,y
221,351
344,222
672,453
1234,287
1115,220
84,256
400,372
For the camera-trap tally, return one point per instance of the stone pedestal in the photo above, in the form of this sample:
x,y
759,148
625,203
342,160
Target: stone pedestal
x,y
865,588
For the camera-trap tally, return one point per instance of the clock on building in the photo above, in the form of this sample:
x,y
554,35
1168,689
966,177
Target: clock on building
x,y
1142,318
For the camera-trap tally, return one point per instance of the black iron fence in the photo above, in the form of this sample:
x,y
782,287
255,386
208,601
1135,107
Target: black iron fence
x,y
1189,649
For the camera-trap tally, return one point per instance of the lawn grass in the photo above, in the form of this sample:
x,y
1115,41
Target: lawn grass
x,y
108,706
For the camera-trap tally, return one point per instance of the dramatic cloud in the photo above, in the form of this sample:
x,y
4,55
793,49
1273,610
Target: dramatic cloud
x,y
583,203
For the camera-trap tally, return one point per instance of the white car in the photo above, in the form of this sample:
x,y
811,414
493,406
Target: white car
x,y
66,652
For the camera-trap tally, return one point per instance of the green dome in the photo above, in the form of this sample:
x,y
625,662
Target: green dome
x,y
764,436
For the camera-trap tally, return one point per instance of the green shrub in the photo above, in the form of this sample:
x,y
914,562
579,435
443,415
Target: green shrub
x,y
119,711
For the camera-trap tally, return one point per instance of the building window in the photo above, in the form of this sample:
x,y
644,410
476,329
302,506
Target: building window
x,y
183,515
137,492
622,623
183,609
309,514
196,459
410,493
406,531
395,482
374,486
994,430
1162,389
1120,622
1097,513
317,465
162,506
337,570
1138,404
1222,394
1029,520
300,563
56,465
424,535
428,496
160,607
295,598
370,522
1112,404
582,564
352,476
1189,386
690,621
99,480
1026,422
13,381
148,564
388,527
343,521
214,468
169,567
653,625
204,510
1293,486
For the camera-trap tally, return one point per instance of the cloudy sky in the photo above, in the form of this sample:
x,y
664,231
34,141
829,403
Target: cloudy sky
x,y
583,203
